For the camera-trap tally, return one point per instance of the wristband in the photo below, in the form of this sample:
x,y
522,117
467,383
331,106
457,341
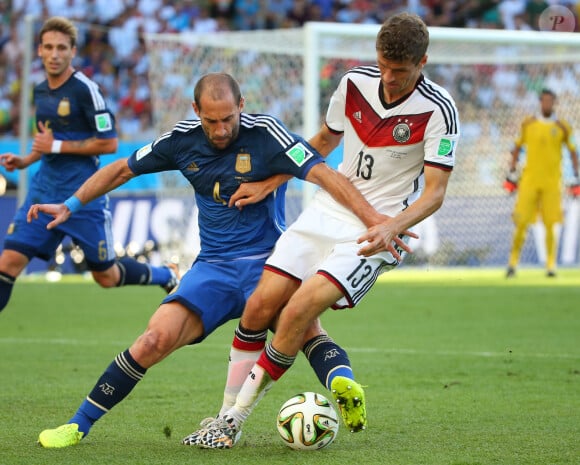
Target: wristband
x,y
73,204
56,146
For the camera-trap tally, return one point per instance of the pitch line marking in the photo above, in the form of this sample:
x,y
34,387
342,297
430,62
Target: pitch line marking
x,y
369,350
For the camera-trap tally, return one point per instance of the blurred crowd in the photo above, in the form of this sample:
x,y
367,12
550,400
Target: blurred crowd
x,y
113,52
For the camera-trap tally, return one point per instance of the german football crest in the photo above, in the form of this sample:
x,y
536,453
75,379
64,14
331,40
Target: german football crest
x,y
402,133
63,107
243,163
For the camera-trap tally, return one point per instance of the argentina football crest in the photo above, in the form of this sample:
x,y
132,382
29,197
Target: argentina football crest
x,y
63,107
243,163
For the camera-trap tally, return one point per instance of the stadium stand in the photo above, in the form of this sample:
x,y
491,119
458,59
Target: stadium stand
x,y
112,49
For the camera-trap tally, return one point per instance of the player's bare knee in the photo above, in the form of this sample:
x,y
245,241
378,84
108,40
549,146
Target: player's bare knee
x,y
295,313
258,313
12,263
105,280
153,344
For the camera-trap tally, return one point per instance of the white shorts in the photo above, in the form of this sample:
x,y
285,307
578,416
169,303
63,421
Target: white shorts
x,y
321,243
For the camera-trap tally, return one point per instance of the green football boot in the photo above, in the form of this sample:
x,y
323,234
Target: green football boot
x,y
63,436
350,398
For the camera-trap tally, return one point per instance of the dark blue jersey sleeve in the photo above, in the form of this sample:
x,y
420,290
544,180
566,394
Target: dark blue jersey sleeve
x,y
98,116
296,159
154,157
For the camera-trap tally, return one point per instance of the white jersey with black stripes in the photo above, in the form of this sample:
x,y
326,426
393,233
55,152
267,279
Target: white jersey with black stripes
x,y
386,146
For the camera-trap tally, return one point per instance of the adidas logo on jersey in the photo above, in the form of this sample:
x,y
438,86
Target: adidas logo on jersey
x,y
358,116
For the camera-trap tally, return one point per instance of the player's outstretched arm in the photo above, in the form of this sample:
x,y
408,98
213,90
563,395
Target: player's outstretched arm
x,y
103,181
12,162
379,237
344,192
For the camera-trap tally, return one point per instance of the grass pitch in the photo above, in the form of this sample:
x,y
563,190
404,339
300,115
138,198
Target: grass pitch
x,y
462,367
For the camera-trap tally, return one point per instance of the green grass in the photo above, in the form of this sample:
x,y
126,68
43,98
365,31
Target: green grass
x,y
462,368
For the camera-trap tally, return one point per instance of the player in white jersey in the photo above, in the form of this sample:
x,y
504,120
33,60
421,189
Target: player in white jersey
x,y
400,135
387,145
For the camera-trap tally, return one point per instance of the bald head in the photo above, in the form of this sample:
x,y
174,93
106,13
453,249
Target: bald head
x,y
216,86
218,103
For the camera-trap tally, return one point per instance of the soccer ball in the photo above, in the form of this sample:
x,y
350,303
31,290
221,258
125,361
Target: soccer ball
x,y
307,421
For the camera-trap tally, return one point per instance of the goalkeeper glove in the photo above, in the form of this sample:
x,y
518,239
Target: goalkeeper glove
x,y
574,187
511,182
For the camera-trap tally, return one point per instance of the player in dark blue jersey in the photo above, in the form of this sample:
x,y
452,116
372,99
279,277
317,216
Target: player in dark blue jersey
x,y
223,155
74,128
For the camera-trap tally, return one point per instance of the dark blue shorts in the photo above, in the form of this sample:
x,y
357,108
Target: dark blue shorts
x,y
217,291
89,229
